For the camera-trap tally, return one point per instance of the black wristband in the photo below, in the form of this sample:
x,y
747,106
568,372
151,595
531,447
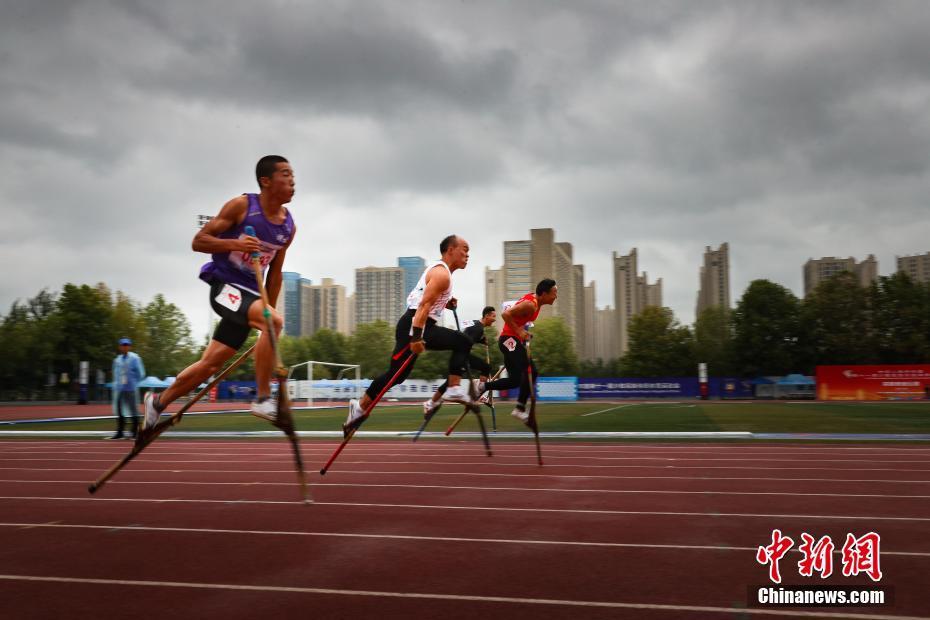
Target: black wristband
x,y
416,334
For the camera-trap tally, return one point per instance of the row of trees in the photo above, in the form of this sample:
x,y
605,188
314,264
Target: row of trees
x,y
44,339
770,332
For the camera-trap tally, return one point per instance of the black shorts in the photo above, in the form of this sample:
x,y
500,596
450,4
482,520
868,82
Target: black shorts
x,y
232,303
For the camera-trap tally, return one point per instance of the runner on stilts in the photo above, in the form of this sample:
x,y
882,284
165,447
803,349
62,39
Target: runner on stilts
x,y
417,330
512,343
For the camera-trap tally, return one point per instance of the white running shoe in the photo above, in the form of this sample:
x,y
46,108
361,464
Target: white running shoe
x,y
355,412
521,414
457,394
430,407
151,415
266,409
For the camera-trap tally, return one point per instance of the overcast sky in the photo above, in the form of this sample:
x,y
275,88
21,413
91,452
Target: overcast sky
x,y
791,130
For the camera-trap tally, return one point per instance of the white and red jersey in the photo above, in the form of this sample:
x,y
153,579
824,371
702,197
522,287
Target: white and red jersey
x,y
530,297
416,295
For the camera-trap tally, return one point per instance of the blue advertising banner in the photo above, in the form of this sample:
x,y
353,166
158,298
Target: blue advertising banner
x,y
652,387
557,388
661,387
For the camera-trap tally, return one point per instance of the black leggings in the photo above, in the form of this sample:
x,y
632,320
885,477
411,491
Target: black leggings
x,y
475,363
435,337
126,408
516,361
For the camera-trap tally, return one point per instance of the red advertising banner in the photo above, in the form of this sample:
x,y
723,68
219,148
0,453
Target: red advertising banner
x,y
892,382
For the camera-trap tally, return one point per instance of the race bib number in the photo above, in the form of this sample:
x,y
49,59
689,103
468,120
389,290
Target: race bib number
x,y
510,344
230,297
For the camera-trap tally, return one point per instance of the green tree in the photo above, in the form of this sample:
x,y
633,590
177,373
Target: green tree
x,y
552,348
128,321
713,341
81,329
327,345
596,368
901,319
766,326
371,346
835,323
658,346
167,347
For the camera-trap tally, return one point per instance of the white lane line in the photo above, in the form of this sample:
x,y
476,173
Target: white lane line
x,y
454,597
714,515
475,488
371,472
458,539
584,415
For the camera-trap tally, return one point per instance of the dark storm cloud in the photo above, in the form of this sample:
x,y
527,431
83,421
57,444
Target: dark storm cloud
x,y
790,129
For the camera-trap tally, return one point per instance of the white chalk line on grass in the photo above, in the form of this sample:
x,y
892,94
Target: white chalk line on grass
x,y
453,597
456,539
584,415
579,511
445,487
370,472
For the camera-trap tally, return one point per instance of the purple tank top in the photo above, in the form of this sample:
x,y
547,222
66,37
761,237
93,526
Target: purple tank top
x,y
236,267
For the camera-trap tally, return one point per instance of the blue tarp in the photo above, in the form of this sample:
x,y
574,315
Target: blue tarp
x,y
795,380
153,382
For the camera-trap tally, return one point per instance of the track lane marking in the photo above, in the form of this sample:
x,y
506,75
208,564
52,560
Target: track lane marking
x,y
295,503
505,541
455,597
476,488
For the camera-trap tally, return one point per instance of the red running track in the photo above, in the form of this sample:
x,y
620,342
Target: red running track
x,y
214,529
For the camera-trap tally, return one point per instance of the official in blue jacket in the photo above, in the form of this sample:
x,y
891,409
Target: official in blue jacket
x,y
128,371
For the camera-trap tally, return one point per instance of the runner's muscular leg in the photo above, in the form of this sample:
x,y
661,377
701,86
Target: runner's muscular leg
x,y
264,353
214,356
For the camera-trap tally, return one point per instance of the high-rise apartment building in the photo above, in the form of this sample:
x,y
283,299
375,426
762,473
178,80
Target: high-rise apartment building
x,y
379,294
605,328
916,266
325,306
517,270
714,279
632,293
494,291
413,267
590,323
526,262
288,302
350,313
816,271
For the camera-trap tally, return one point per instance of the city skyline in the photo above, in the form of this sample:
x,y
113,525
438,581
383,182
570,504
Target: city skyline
x,y
789,130
601,331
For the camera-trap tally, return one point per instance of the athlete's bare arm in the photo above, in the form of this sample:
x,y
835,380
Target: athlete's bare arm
x,y
232,214
517,315
437,280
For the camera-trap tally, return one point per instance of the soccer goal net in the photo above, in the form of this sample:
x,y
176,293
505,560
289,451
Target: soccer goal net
x,y
324,384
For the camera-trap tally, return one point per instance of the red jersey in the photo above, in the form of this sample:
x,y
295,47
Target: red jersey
x,y
528,297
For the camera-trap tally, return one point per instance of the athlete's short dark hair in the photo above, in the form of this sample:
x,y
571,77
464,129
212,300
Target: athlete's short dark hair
x,y
266,166
545,286
446,243
487,310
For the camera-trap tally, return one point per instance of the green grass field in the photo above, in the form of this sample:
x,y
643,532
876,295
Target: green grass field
x,y
709,416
